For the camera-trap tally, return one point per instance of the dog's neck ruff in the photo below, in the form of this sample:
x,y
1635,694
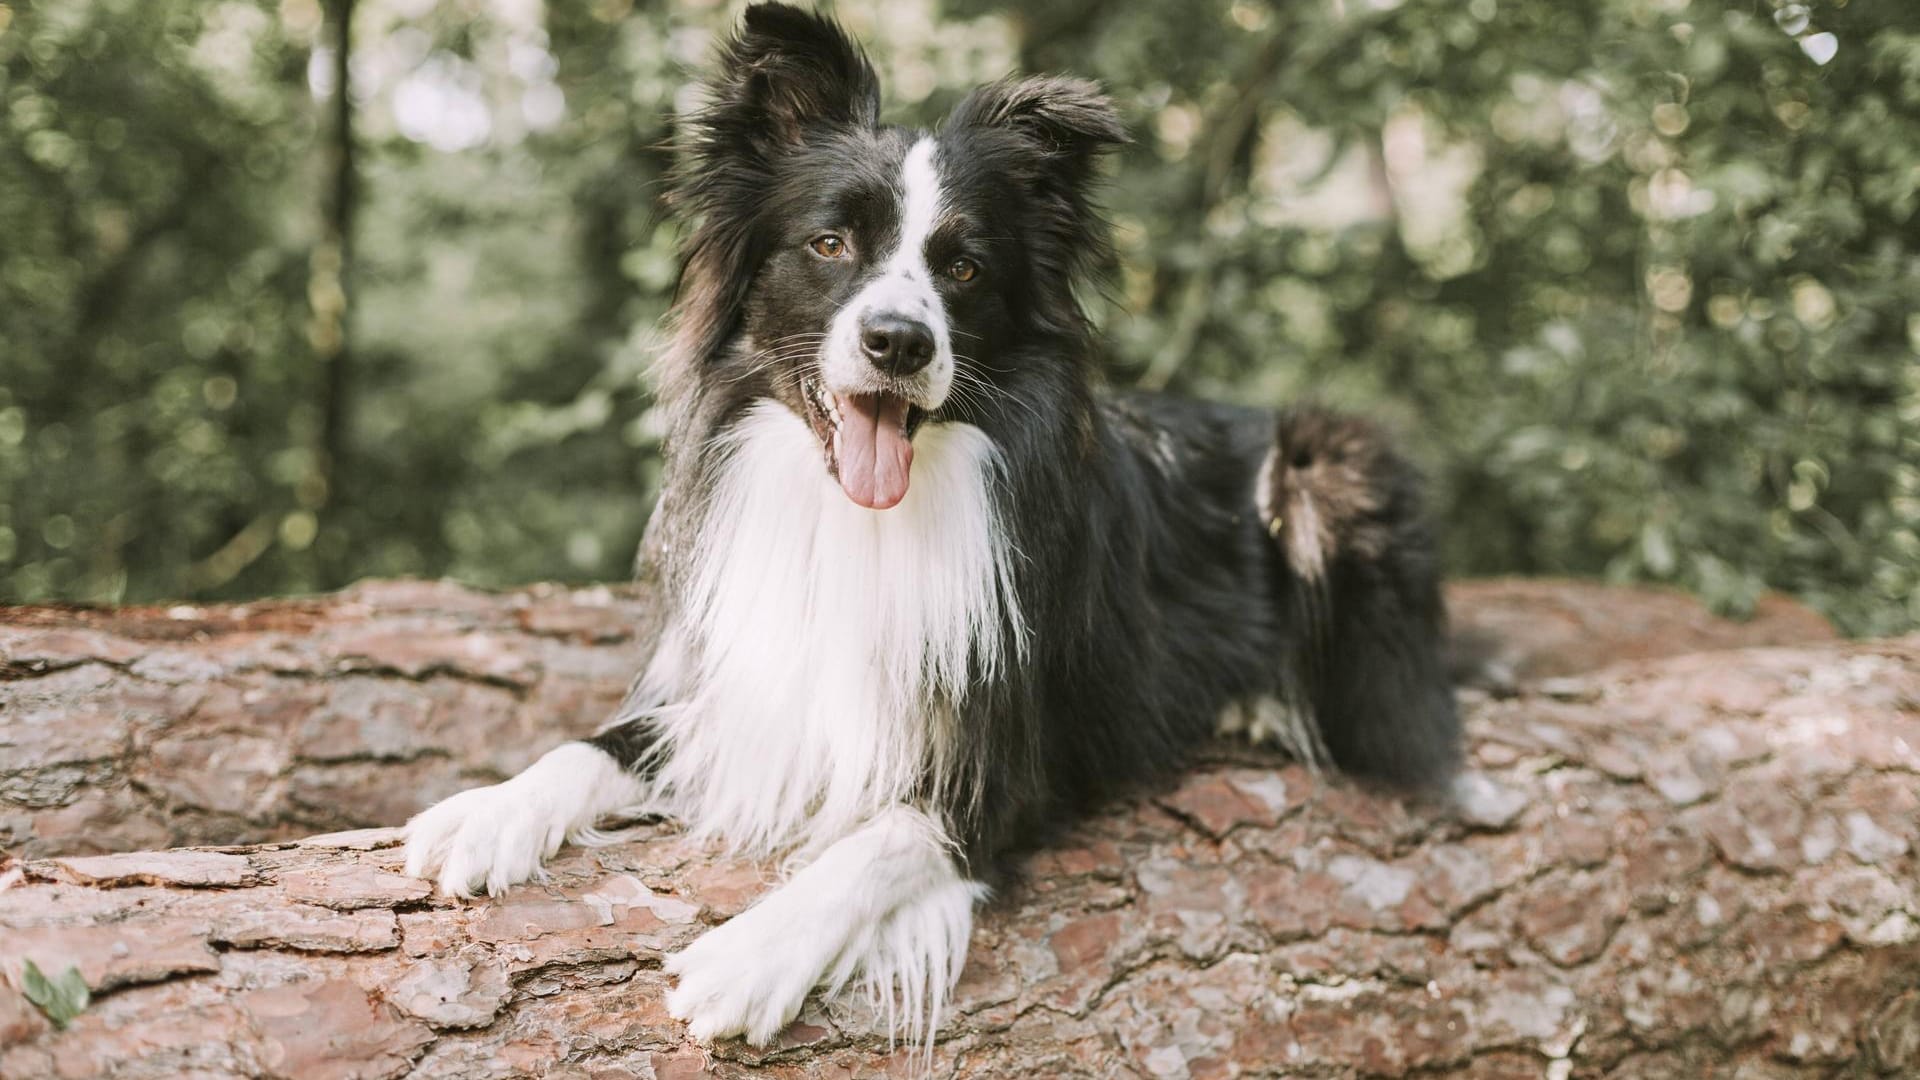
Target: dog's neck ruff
x,y
820,647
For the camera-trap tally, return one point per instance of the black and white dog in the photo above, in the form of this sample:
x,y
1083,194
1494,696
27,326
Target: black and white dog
x,y
925,591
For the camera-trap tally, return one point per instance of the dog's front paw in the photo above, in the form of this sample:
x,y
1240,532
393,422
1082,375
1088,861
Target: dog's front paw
x,y
483,840
492,837
748,977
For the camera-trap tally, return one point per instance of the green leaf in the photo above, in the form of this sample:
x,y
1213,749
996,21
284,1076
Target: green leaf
x,y
61,998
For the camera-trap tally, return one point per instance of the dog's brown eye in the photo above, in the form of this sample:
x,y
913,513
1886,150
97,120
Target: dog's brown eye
x,y
828,246
962,269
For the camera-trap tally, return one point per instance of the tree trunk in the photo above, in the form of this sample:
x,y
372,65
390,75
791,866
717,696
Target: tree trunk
x,y
1696,865
330,290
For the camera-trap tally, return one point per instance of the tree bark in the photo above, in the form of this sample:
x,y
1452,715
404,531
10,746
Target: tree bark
x,y
158,727
139,728
1696,865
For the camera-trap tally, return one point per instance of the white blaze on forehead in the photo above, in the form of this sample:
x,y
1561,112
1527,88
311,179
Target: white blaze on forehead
x,y
905,283
919,209
903,286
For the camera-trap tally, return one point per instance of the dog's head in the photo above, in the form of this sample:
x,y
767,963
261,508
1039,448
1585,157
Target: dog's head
x,y
874,278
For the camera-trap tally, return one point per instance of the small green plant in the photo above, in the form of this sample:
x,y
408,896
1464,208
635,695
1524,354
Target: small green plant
x,y
61,998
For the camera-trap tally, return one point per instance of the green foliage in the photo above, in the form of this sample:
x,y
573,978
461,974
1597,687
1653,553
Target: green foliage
x,y
61,998
1636,278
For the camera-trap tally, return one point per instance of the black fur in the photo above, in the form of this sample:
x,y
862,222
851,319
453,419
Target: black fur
x,y
1157,589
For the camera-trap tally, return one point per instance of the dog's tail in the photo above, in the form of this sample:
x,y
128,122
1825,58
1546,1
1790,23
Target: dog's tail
x,y
1360,584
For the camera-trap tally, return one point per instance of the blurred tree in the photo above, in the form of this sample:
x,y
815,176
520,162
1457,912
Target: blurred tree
x,y
1636,277
153,370
329,285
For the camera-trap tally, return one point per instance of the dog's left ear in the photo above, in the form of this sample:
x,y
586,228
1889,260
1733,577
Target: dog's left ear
x,y
786,72
1069,120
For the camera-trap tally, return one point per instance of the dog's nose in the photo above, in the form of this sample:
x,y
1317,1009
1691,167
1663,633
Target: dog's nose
x,y
895,344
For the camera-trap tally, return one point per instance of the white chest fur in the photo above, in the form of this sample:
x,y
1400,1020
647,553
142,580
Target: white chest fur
x,y
822,645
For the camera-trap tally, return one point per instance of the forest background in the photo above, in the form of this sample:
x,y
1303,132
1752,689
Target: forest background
x,y
1638,281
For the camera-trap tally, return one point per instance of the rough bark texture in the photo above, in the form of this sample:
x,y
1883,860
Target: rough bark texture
x,y
159,727
1701,865
162,727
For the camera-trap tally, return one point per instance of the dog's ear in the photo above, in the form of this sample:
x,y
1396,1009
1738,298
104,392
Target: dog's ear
x,y
1070,120
787,71
783,76
1065,125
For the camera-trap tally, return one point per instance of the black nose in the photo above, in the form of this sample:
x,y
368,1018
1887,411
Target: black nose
x,y
896,345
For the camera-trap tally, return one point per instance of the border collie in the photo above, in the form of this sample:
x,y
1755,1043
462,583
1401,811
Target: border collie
x,y
926,592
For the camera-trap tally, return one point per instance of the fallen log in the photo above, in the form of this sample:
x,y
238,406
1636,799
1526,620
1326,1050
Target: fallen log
x,y
1702,865
131,728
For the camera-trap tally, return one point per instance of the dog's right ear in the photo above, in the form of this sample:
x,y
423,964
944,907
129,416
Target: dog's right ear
x,y
785,76
785,73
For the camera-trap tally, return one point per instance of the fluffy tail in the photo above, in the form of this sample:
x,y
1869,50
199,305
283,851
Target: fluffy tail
x,y
1361,588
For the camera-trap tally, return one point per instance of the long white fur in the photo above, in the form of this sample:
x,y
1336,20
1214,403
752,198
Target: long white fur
x,y
828,642
904,286
826,648
808,687
883,907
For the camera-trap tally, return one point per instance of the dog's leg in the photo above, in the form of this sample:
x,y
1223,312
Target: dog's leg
x,y
1361,592
885,906
490,838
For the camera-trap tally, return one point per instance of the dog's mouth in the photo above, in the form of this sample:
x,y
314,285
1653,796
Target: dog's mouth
x,y
868,440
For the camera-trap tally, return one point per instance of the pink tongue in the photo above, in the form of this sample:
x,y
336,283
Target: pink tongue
x,y
872,449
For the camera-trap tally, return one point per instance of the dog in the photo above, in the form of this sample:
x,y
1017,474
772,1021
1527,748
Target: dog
x,y
925,592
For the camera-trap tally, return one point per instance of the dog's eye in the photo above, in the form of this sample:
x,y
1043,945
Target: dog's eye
x,y
828,246
962,269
